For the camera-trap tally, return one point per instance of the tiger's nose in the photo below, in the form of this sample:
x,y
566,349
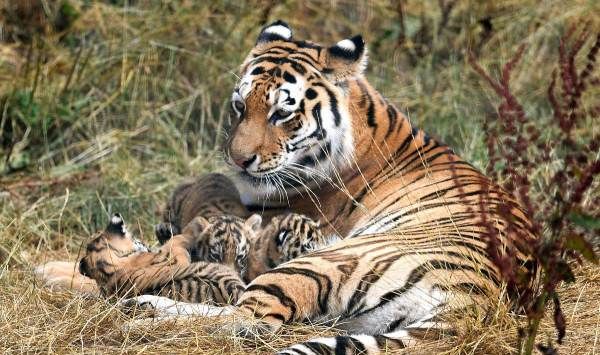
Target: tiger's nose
x,y
244,162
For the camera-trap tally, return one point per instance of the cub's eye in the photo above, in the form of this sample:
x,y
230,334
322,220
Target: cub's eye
x,y
238,106
280,115
215,257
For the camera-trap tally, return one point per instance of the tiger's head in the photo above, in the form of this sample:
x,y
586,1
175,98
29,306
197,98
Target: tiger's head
x,y
108,250
224,239
292,118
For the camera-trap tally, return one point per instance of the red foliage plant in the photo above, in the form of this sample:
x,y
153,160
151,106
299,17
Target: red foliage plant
x,y
516,147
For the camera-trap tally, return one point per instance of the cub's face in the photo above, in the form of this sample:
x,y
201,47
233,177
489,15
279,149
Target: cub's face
x,y
291,118
106,251
224,239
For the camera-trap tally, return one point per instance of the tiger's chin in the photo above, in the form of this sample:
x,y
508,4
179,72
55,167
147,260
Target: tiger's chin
x,y
273,188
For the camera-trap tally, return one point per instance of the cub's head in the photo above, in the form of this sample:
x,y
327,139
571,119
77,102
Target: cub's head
x,y
109,249
224,239
292,123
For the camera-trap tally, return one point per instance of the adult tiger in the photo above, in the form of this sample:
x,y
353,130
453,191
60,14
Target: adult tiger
x,y
314,137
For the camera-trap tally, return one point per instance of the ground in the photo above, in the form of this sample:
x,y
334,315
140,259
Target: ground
x,y
107,105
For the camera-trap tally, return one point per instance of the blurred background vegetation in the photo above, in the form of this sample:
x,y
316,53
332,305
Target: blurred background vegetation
x,y
106,105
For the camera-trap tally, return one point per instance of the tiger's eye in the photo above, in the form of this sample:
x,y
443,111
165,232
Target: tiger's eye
x,y
283,113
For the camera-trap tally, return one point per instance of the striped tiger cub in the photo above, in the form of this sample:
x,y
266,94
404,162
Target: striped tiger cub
x,y
210,195
122,266
221,235
207,233
312,136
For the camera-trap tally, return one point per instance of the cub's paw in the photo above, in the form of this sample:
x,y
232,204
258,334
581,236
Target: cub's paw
x,y
297,235
164,231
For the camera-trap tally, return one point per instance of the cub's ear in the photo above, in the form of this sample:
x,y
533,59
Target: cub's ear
x,y
254,222
347,58
277,31
196,226
116,225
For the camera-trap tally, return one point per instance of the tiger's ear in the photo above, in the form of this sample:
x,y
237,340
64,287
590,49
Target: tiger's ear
x,y
346,59
277,31
196,226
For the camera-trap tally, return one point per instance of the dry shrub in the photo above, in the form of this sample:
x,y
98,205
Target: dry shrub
x,y
561,215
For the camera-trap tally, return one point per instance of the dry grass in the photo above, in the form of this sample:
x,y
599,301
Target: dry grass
x,y
34,319
109,114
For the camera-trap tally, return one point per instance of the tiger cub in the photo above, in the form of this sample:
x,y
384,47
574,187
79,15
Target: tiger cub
x,y
211,195
123,266
222,236
284,238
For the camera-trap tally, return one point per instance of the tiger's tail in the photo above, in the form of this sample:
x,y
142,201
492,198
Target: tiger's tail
x,y
364,344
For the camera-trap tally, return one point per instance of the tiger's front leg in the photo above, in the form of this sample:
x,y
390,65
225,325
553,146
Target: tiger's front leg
x,y
304,288
297,291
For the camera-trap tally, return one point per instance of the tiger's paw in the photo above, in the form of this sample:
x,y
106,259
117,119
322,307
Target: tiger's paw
x,y
163,306
164,231
298,235
147,303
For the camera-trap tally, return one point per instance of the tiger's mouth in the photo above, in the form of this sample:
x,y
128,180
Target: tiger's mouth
x,y
257,180
277,178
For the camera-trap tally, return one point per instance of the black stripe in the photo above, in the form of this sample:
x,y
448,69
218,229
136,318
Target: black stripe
x,y
333,104
368,280
393,118
294,63
291,51
289,77
371,120
312,160
316,112
257,70
323,282
310,94
277,292
395,324
417,275
317,348
343,344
